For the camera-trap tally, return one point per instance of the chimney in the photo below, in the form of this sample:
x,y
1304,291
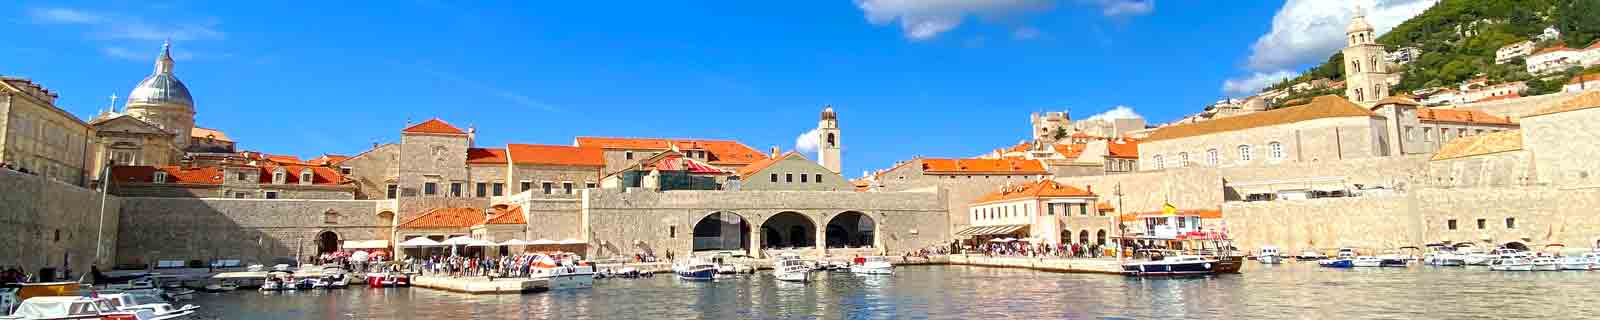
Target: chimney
x,y
775,151
472,134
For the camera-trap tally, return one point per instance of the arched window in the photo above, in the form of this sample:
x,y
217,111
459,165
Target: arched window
x,y
1158,162
831,140
1376,67
1356,64
1211,157
1244,152
1183,159
1359,96
1275,150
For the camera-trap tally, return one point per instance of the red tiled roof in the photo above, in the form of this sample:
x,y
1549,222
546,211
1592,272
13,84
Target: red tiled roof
x,y
509,215
1552,49
319,175
327,159
434,126
1459,116
745,171
1595,45
286,160
1123,148
1104,206
1513,95
721,151
1002,166
1071,151
1038,189
556,155
486,156
447,218
175,174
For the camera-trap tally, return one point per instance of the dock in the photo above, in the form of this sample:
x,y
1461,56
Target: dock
x,y
481,285
1076,265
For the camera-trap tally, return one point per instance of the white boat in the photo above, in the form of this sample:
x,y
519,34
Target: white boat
x,y
1474,257
1368,262
1310,255
695,269
1579,263
789,267
140,301
566,273
1269,255
1511,263
1546,263
1444,259
873,265
76,307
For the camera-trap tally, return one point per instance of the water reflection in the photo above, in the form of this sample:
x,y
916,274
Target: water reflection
x,y
957,292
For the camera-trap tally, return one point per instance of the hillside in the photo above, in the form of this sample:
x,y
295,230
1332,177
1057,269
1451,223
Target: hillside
x,y
1458,39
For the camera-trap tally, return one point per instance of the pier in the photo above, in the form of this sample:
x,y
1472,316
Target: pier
x,y
481,285
1080,265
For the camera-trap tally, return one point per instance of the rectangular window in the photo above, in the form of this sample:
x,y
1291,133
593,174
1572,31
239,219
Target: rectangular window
x,y
161,177
1427,134
240,195
242,177
1411,133
588,185
526,185
566,187
803,178
1083,209
1483,223
455,189
1511,223
499,189
393,190
672,231
628,155
344,170
272,194
483,189
1450,224
788,177
430,188
1050,209
774,177
819,178
548,187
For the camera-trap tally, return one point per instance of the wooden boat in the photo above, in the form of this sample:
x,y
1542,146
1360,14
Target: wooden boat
x,y
695,269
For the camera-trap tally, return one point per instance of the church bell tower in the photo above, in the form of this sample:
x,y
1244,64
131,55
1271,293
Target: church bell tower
x,y
828,140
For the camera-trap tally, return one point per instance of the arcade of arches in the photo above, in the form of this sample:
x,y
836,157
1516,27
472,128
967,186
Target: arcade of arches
x,y
788,230
728,231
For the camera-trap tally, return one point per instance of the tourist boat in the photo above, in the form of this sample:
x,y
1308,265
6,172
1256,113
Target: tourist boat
x,y
695,269
388,280
1579,263
157,306
1310,255
1367,262
78,307
873,265
1269,255
1511,263
1174,265
1545,263
789,267
567,273
1474,257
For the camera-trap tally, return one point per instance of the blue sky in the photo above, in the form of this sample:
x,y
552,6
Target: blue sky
x,y
942,78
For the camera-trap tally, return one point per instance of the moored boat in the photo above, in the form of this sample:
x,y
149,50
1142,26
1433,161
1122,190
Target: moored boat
x,y
789,267
78,307
872,265
695,269
142,301
563,272
1310,255
1269,255
1367,262
1511,263
1175,265
1545,263
1578,263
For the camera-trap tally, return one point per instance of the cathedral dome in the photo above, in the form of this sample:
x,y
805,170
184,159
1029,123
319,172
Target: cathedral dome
x,y
161,87
1358,24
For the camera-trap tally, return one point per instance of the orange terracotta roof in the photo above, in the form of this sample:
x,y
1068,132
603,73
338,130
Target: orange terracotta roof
x,y
486,156
1513,95
1585,78
556,155
508,215
722,152
434,126
320,175
1104,206
1553,49
447,218
1488,143
1400,100
746,171
1595,45
1328,106
327,159
1020,147
1038,189
1123,148
204,133
204,175
1459,116
979,166
1202,213
1583,101
1071,151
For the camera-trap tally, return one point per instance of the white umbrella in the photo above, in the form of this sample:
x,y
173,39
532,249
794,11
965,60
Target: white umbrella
x,y
515,242
462,240
999,240
570,241
543,242
419,242
482,243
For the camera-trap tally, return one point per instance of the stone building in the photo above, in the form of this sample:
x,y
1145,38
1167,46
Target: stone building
x,y
1367,75
791,171
39,138
1045,210
161,100
235,180
622,152
1328,128
670,170
1411,129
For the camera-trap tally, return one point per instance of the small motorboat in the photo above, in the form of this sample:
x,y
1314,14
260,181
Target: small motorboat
x,y
569,272
278,281
78,307
1174,265
789,267
140,301
1511,263
1310,255
873,265
838,265
1393,260
695,269
1578,263
1269,255
1545,263
1336,263
1367,262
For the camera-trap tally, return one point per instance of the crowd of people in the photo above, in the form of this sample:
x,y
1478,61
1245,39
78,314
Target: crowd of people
x,y
518,265
1074,250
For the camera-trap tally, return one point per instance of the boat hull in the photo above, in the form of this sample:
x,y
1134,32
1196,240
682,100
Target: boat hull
x,y
872,270
697,274
793,276
1158,269
1340,263
1272,259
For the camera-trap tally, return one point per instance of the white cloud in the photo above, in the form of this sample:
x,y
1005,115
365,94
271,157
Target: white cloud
x,y
926,19
1308,31
1253,83
807,142
1126,8
1118,112
121,27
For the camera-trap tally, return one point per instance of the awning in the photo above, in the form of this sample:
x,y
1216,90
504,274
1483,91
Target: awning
x,y
365,244
990,230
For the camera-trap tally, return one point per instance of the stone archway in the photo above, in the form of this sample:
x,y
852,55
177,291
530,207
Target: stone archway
x,y
1083,237
852,229
722,231
327,242
1516,245
1100,237
788,230
1066,236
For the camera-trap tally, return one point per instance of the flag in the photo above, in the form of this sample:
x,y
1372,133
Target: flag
x,y
1168,209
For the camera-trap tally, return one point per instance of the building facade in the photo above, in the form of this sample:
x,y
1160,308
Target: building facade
x,y
39,138
1366,73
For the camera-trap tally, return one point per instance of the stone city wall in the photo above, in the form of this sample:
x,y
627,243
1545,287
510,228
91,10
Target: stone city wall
x,y
622,224
45,222
1540,215
253,230
1371,223
1517,108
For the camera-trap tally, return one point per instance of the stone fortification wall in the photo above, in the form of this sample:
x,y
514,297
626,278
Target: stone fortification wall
x,y
1512,168
626,223
1371,223
254,230
1541,215
1517,108
1381,171
1564,147
45,222
554,219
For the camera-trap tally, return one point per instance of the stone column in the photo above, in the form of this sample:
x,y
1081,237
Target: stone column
x,y
755,242
822,238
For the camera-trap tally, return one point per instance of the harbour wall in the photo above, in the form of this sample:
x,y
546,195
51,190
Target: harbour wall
x,y
46,223
252,230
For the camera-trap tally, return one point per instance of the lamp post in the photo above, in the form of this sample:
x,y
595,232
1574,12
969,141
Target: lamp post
x,y
1121,236
105,187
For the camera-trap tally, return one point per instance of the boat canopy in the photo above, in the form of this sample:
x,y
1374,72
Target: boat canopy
x,y
59,306
990,230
